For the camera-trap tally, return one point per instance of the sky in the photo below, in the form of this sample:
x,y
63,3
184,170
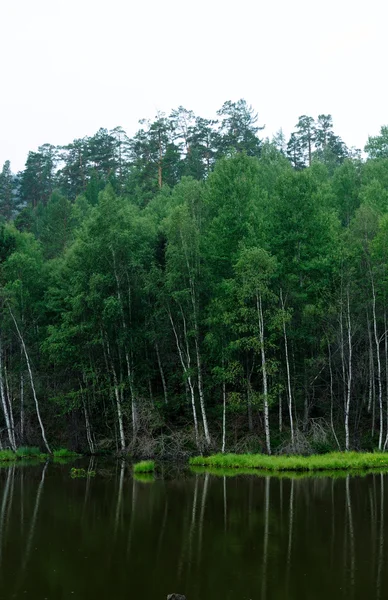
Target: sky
x,y
70,67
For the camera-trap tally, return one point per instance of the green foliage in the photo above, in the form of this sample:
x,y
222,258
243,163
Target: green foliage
x,y
148,277
332,461
63,453
28,451
7,455
144,466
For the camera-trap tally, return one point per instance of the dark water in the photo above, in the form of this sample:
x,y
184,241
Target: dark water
x,y
241,538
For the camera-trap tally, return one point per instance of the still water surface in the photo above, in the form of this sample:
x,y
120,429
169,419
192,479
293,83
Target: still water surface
x,y
241,538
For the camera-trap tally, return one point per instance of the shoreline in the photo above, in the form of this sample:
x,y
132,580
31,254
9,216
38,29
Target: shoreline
x,y
334,461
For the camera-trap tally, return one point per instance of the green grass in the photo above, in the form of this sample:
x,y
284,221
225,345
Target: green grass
x,y
64,453
7,455
318,462
28,452
144,466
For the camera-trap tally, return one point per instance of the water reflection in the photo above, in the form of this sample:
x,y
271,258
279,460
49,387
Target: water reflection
x,y
246,537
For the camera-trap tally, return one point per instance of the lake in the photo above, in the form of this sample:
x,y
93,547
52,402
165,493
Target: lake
x,y
209,537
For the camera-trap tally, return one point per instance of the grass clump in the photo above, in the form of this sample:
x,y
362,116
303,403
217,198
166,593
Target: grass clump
x,y
81,473
28,452
7,455
64,453
144,466
317,462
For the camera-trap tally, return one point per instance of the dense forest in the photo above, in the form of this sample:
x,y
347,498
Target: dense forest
x,y
196,287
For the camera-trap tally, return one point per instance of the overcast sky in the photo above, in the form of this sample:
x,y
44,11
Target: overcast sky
x,y
70,67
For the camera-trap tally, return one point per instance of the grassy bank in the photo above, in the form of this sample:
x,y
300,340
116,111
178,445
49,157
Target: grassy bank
x,y
31,452
317,462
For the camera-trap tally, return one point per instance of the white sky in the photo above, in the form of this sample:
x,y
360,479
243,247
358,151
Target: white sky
x,y
69,67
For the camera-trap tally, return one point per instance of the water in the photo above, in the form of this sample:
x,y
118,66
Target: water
x,y
240,538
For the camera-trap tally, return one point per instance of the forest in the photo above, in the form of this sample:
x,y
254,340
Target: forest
x,y
196,288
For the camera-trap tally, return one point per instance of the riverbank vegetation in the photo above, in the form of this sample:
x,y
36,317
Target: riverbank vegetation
x,y
144,466
197,288
333,461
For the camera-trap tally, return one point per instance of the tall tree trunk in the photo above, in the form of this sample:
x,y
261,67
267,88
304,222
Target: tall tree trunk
x,y
127,360
161,371
223,416
42,429
201,394
260,315
186,363
289,391
377,344
332,397
349,377
6,407
199,361
117,397
88,428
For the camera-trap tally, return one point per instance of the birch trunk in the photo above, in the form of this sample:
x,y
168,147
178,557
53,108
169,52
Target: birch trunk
x,y
259,308
161,371
289,391
42,429
9,401
349,377
117,398
377,344
88,428
332,398
223,416
5,405
21,409
129,369
186,363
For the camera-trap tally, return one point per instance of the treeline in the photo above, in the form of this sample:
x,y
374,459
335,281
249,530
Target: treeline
x,y
196,287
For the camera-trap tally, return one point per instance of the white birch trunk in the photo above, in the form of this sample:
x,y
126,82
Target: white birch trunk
x,y
161,371
9,401
349,378
129,370
42,429
259,307
186,370
223,416
289,391
88,428
332,398
5,406
377,344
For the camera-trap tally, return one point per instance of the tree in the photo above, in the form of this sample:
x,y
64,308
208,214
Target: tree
x,y
254,269
377,146
7,192
38,178
238,130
